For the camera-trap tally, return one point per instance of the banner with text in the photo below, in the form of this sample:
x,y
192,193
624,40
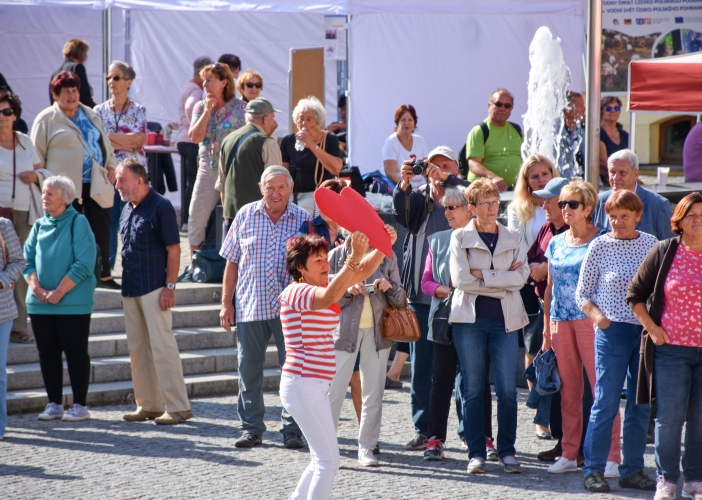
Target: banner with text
x,y
644,29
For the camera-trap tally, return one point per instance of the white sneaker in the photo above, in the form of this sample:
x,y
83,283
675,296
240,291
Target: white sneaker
x,y
366,458
612,470
76,413
692,490
51,412
476,465
664,490
563,465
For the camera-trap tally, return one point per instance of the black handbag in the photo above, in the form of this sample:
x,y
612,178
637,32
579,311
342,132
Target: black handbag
x,y
208,266
440,327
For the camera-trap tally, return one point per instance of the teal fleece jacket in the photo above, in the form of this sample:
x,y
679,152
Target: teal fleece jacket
x,y
52,254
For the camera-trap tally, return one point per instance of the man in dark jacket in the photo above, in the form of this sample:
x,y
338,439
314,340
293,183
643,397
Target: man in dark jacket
x,y
422,214
75,53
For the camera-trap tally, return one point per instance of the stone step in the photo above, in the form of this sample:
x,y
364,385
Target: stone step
x,y
118,368
103,345
34,400
186,293
189,315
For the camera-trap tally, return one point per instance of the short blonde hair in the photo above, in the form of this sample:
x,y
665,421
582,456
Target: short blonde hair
x,y
524,202
311,103
76,50
481,187
586,192
245,77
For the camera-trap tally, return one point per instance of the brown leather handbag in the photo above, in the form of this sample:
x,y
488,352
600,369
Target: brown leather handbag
x,y
399,324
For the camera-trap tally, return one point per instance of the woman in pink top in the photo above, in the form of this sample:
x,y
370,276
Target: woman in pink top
x,y
670,367
309,315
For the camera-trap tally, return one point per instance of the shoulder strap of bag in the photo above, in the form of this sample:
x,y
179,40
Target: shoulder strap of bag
x,y
517,128
319,162
663,247
4,249
236,149
15,138
310,228
82,141
486,131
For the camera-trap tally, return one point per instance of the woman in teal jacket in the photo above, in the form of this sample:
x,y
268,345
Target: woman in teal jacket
x,y
60,254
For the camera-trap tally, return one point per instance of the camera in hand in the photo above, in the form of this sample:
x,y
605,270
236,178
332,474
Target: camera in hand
x,y
370,289
419,167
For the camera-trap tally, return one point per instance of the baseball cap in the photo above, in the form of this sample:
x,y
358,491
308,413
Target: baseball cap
x,y
553,188
260,106
443,151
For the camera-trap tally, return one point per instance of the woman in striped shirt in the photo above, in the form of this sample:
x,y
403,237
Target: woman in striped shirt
x,y
309,315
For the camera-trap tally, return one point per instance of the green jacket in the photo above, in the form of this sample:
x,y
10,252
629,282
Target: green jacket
x,y
57,247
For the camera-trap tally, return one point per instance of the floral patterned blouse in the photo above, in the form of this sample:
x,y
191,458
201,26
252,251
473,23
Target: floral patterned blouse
x,y
222,122
682,305
130,121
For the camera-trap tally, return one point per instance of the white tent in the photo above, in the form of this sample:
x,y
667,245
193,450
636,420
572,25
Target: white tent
x,y
442,56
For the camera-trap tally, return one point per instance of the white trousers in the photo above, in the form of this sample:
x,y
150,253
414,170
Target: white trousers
x,y
307,400
374,366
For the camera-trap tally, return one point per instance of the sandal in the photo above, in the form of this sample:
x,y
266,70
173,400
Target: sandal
x,y
18,338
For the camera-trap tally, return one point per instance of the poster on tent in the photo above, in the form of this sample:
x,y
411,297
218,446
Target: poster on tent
x,y
335,38
636,29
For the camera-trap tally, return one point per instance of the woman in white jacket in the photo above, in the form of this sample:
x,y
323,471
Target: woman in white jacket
x,y
488,269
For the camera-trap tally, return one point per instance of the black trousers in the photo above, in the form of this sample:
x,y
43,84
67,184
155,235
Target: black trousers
x,y
556,417
443,382
188,172
57,333
100,222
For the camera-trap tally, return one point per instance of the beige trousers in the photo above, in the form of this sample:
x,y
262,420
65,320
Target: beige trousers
x,y
203,201
23,229
157,372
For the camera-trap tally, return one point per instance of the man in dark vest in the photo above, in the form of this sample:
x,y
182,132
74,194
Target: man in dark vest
x,y
246,153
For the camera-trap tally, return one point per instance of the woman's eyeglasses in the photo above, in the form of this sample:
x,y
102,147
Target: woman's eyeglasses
x,y
499,104
250,85
488,203
572,204
613,108
7,112
454,207
116,78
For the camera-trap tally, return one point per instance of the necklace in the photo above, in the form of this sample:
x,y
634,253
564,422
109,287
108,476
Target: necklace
x,y
488,242
114,113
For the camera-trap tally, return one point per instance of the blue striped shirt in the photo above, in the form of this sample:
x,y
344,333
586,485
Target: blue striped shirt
x,y
146,231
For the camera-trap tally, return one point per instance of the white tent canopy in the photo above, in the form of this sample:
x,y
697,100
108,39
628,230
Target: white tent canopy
x,y
442,56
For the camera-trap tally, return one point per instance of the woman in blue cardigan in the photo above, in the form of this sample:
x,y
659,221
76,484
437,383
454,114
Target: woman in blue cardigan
x,y
60,254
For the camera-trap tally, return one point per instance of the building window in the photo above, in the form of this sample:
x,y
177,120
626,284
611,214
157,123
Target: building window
x,y
672,137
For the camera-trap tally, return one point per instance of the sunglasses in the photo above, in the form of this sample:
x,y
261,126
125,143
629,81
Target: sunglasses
x,y
613,108
116,78
7,112
454,207
572,204
250,85
499,104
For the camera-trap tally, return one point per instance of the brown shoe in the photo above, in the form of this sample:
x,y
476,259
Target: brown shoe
x,y
141,414
550,455
581,460
174,417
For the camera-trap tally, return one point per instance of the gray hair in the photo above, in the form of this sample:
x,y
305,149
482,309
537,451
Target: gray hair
x,y
455,196
625,154
200,63
256,117
63,183
310,103
274,171
125,68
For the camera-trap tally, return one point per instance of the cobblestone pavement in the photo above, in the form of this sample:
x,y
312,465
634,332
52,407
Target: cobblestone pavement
x,y
108,458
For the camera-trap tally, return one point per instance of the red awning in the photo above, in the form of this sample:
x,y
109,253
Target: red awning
x,y
671,84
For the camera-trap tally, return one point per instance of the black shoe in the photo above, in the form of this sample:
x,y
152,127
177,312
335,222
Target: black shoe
x,y
109,284
417,443
248,440
596,483
550,455
392,384
187,276
292,440
376,450
638,481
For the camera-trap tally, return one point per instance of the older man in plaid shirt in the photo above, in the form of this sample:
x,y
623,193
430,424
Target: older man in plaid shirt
x,y
255,251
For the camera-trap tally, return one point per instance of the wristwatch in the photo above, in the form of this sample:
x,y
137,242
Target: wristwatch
x,y
170,286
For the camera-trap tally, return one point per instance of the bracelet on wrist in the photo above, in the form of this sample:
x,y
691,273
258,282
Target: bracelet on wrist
x,y
351,265
354,262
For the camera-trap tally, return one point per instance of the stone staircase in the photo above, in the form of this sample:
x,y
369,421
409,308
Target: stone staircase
x,y
208,354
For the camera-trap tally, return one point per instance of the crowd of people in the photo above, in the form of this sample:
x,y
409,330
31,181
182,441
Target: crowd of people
x,y
605,288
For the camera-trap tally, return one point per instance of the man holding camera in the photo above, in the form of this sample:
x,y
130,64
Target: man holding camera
x,y
420,211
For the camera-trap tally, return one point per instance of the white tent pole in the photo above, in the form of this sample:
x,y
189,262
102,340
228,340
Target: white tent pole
x,y
348,91
594,68
632,131
106,49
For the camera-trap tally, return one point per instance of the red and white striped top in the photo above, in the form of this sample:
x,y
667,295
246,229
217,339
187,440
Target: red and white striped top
x,y
309,344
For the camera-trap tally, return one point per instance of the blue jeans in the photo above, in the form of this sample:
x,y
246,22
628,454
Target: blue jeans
x,y
472,340
422,359
458,389
5,330
677,378
616,360
115,213
252,341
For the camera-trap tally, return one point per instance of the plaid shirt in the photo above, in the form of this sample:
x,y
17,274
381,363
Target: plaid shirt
x,y
258,246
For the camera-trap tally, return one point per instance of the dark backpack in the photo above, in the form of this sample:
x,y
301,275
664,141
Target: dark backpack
x,y
463,168
376,182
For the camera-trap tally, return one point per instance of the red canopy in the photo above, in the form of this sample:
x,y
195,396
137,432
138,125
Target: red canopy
x,y
671,84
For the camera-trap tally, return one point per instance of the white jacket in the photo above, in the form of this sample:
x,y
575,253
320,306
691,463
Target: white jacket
x,y
468,251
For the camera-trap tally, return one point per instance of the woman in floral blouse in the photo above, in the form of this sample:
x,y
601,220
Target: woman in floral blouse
x,y
125,123
214,118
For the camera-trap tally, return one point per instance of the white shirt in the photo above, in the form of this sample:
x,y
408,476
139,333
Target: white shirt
x,y
393,150
26,158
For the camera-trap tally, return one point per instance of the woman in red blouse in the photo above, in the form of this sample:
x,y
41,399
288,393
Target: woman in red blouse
x,y
309,315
